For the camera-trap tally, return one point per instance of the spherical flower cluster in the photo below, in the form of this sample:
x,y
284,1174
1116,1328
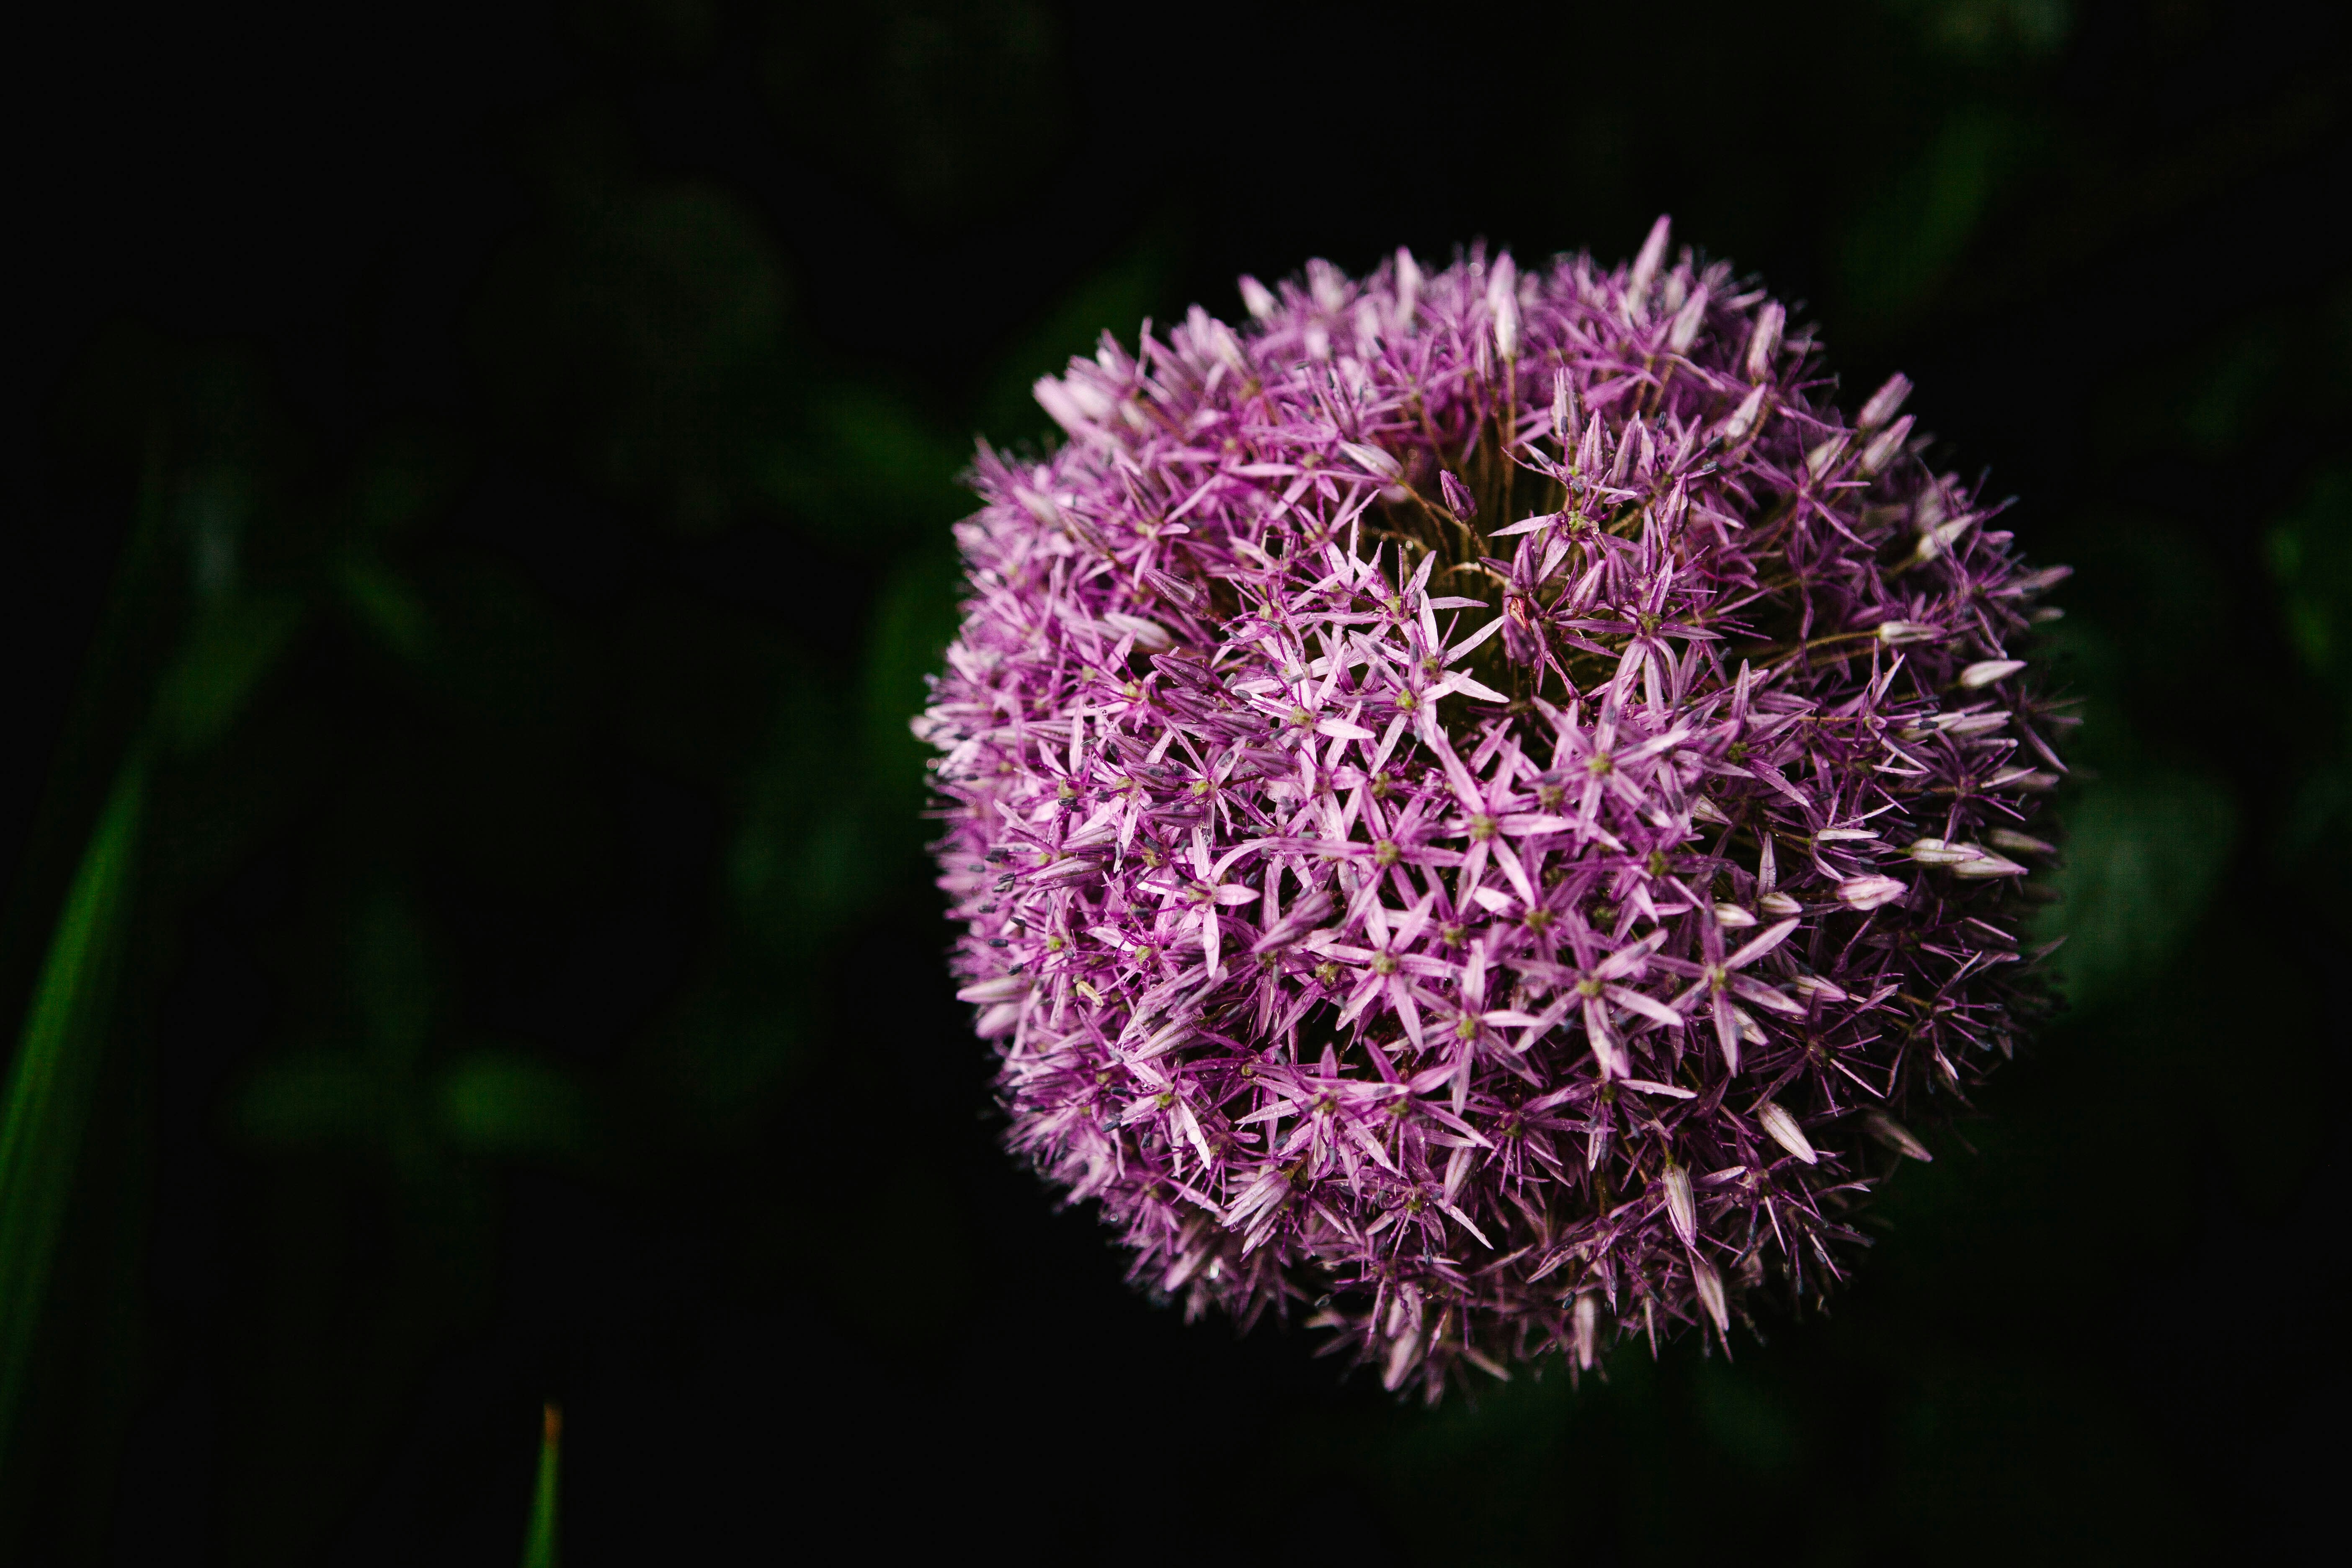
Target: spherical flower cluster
x,y
1479,802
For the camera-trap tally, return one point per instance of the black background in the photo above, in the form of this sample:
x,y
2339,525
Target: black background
x,y
534,987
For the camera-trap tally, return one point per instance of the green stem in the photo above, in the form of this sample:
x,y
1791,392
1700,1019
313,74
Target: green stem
x,y
539,1544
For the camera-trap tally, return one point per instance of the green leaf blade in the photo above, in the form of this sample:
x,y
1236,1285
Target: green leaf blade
x,y
55,1071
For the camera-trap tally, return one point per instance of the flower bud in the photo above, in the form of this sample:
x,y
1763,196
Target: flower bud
x,y
2018,843
1895,1135
1985,864
1227,348
2022,778
1054,398
1985,671
1163,1039
1147,635
1784,1130
1934,540
1813,987
1709,1285
1408,301
1403,1351
1869,892
1645,267
1895,634
1766,341
1743,418
1040,507
1680,1210
1885,444
1503,300
1328,284
1003,988
1884,403
1685,331
1257,298
1304,915
1371,459
1458,499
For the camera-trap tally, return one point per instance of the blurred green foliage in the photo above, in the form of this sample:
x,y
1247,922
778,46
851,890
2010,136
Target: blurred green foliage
x,y
1900,250
2144,857
2311,553
559,737
942,104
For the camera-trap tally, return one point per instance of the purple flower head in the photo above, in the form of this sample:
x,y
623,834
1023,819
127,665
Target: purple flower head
x,y
1480,802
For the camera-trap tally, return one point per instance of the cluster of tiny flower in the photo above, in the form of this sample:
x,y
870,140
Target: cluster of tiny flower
x,y
1477,800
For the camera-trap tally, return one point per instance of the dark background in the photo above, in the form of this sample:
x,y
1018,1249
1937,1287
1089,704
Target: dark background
x,y
494,464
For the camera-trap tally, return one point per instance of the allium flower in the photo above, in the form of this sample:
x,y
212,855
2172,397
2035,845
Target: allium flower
x,y
1481,802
